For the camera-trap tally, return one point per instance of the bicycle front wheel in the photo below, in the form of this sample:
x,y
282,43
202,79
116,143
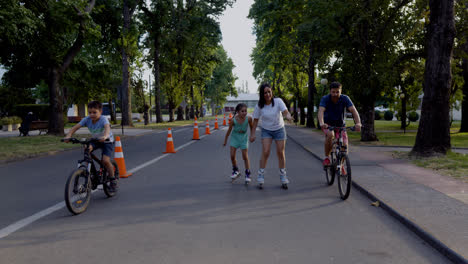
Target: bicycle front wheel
x,y
78,191
344,177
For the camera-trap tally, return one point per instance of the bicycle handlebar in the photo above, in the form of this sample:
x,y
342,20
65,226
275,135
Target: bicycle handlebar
x,y
352,128
83,140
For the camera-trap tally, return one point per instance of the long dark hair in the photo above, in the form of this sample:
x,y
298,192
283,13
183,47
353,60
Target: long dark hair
x,y
261,101
239,107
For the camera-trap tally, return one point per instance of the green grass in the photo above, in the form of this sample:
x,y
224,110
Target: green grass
x,y
453,164
12,148
384,125
404,139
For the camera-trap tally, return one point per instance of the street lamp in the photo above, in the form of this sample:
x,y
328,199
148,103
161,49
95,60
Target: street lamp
x,y
402,96
324,81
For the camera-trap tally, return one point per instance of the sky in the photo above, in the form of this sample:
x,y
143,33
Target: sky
x,y
239,41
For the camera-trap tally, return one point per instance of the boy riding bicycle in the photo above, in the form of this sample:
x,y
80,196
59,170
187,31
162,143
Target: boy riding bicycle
x,y
99,127
331,113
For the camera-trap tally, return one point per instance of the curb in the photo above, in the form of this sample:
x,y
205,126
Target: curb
x,y
419,231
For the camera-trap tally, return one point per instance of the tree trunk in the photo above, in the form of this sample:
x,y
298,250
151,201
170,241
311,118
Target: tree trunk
x,y
464,118
202,114
311,89
187,113
192,109
171,105
403,109
434,127
180,113
126,102
157,81
368,116
56,125
112,111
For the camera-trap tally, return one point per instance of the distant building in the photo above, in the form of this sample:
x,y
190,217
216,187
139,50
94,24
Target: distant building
x,y
251,100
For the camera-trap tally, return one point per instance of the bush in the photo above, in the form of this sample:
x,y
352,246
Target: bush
x,y
6,121
413,116
16,119
378,115
388,115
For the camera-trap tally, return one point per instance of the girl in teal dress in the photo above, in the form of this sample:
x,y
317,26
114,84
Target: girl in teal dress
x,y
239,139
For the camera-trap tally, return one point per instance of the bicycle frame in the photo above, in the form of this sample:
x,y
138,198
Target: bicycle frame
x,y
88,163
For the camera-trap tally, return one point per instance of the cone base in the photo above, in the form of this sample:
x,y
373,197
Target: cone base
x,y
165,152
126,175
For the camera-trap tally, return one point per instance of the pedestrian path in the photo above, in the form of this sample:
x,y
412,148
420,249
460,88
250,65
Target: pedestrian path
x,y
429,204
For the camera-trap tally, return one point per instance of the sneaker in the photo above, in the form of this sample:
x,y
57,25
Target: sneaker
x,y
247,176
326,161
114,184
261,177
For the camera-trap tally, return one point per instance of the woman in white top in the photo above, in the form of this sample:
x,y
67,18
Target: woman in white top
x,y
271,111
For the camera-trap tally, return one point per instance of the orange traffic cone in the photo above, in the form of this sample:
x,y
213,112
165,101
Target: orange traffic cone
x,y
169,142
224,121
119,159
196,136
230,118
216,123
207,130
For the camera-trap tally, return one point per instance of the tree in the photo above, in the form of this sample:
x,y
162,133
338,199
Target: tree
x,y
155,21
432,139
56,31
129,41
222,81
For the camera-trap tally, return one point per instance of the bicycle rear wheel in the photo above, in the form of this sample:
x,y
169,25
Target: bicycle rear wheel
x,y
78,191
110,192
330,170
344,177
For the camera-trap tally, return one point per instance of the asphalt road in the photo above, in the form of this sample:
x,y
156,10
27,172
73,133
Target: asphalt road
x,y
182,208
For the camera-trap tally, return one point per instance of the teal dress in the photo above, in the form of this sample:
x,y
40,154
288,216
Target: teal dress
x,y
239,137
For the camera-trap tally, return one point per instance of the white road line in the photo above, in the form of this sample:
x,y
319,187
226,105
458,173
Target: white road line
x,y
29,220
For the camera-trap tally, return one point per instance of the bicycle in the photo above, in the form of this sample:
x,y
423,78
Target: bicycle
x,y
339,163
86,178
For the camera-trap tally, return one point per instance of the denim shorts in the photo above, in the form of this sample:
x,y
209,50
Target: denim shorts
x,y
279,134
107,148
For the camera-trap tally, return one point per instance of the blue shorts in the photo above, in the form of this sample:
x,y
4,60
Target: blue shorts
x,y
107,148
279,134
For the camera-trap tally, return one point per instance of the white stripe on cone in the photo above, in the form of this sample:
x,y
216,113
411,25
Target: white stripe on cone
x,y
118,143
118,155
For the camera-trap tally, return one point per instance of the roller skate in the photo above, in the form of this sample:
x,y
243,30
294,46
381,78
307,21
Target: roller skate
x,y
247,177
261,178
284,179
235,174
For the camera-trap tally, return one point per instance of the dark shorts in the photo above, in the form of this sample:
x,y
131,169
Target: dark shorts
x,y
344,135
107,148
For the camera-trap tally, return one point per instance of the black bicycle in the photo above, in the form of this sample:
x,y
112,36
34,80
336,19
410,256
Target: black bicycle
x,y
339,163
86,178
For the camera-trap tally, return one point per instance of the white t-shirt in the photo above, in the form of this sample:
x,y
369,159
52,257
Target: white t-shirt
x,y
271,117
